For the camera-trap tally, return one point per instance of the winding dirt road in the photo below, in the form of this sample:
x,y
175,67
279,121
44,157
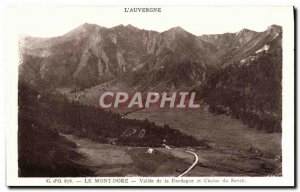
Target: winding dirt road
x,y
192,166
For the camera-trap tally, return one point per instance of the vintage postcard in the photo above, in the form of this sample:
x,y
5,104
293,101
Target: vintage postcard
x,y
149,96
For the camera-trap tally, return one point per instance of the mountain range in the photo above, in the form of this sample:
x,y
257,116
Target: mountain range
x,y
234,73
91,54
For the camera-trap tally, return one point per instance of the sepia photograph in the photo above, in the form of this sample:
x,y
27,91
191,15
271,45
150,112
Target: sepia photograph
x,y
195,95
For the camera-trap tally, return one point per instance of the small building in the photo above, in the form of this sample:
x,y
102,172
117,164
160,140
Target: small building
x,y
150,151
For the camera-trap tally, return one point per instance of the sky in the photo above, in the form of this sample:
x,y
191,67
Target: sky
x,y
55,21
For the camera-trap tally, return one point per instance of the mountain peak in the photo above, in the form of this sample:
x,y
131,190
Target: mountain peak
x,y
274,27
245,31
177,29
128,27
274,30
88,26
118,26
131,26
82,29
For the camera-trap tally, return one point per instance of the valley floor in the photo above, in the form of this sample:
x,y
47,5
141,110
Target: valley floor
x,y
220,131
236,150
113,160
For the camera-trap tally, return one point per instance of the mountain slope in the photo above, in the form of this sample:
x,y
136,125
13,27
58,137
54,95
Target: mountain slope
x,y
250,89
90,54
